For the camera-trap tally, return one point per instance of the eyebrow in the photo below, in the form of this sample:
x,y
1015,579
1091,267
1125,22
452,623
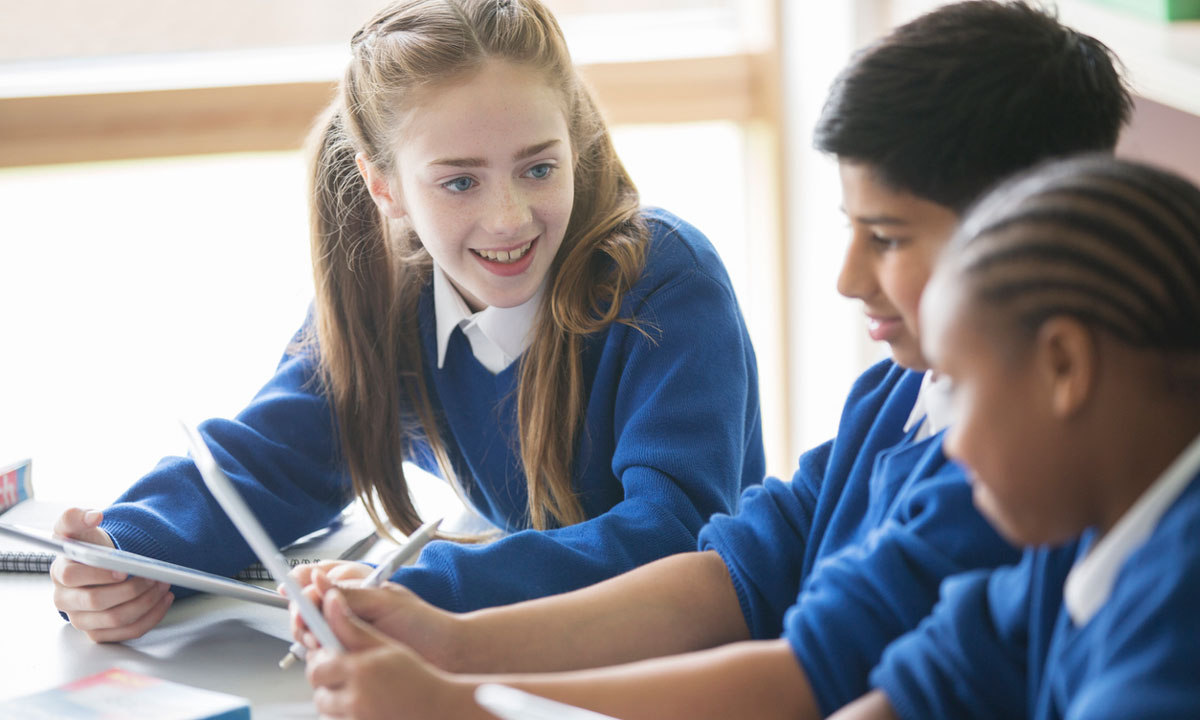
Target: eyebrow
x,y
876,219
474,162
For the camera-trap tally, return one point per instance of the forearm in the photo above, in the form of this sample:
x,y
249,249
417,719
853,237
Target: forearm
x,y
872,706
759,679
680,603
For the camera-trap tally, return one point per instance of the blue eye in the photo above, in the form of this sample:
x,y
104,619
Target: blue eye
x,y
541,171
459,184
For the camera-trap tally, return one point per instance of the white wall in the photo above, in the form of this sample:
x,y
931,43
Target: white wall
x,y
135,294
829,345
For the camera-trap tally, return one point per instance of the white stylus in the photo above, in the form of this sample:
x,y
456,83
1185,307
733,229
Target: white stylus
x,y
413,545
512,704
243,519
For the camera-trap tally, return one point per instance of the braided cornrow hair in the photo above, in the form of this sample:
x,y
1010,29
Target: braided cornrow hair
x,y
1112,243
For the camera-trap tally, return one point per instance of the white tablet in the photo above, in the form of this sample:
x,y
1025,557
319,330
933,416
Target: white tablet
x,y
142,566
256,536
509,703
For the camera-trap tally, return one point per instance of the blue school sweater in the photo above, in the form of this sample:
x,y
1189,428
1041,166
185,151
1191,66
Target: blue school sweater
x,y
1001,644
848,556
672,436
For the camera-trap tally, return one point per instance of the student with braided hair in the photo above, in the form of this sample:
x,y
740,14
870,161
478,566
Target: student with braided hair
x,y
1066,313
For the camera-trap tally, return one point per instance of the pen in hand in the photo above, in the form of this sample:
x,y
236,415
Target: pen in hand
x,y
413,545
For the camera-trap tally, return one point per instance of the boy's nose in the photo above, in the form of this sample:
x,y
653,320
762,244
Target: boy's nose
x,y
855,279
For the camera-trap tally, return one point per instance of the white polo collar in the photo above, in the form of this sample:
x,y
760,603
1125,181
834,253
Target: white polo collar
x,y
932,405
497,336
1090,582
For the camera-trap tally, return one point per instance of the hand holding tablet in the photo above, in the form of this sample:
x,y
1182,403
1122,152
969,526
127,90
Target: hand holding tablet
x,y
142,566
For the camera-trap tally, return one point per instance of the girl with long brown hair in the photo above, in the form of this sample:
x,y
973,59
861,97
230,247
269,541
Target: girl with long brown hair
x,y
493,305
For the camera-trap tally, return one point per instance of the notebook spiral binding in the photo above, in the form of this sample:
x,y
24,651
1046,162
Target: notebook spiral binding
x,y
26,562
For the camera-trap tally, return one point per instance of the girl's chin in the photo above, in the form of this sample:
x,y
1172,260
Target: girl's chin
x,y
502,299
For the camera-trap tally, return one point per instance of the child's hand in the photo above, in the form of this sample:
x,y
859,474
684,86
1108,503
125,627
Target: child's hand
x,y
393,610
345,572
342,572
378,678
108,606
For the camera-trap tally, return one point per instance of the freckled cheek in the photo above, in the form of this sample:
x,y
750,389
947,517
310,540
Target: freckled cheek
x,y
556,213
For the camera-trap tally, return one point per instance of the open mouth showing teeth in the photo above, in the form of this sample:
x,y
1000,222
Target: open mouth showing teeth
x,y
504,256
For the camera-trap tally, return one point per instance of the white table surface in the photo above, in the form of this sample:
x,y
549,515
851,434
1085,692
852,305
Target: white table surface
x,y
209,642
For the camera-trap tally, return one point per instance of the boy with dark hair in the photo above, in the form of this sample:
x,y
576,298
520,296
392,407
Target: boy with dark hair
x,y
951,102
812,579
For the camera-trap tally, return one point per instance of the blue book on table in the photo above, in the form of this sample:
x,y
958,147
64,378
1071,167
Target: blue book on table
x,y
118,694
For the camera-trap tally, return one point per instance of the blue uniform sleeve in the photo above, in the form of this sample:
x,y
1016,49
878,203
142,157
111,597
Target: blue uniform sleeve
x,y
968,659
1145,663
857,601
686,416
764,545
280,454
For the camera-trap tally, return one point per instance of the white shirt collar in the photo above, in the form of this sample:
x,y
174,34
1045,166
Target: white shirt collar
x,y
497,336
1090,582
932,405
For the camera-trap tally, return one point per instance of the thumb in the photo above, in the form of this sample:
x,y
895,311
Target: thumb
x,y
320,580
372,604
84,525
355,634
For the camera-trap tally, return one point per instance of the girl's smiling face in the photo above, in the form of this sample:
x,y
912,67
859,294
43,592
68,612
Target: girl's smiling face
x,y
485,177
895,238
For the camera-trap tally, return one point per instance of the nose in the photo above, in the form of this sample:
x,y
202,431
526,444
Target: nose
x,y
508,211
856,279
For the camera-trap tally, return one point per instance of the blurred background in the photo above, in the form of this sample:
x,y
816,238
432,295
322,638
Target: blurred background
x,y
153,234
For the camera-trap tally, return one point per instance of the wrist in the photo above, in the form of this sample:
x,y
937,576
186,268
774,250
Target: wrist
x,y
449,649
455,698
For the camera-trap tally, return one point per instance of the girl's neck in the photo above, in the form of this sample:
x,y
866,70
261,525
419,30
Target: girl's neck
x,y
1151,442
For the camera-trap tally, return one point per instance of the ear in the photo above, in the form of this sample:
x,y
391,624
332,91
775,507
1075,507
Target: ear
x,y
380,187
1067,362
